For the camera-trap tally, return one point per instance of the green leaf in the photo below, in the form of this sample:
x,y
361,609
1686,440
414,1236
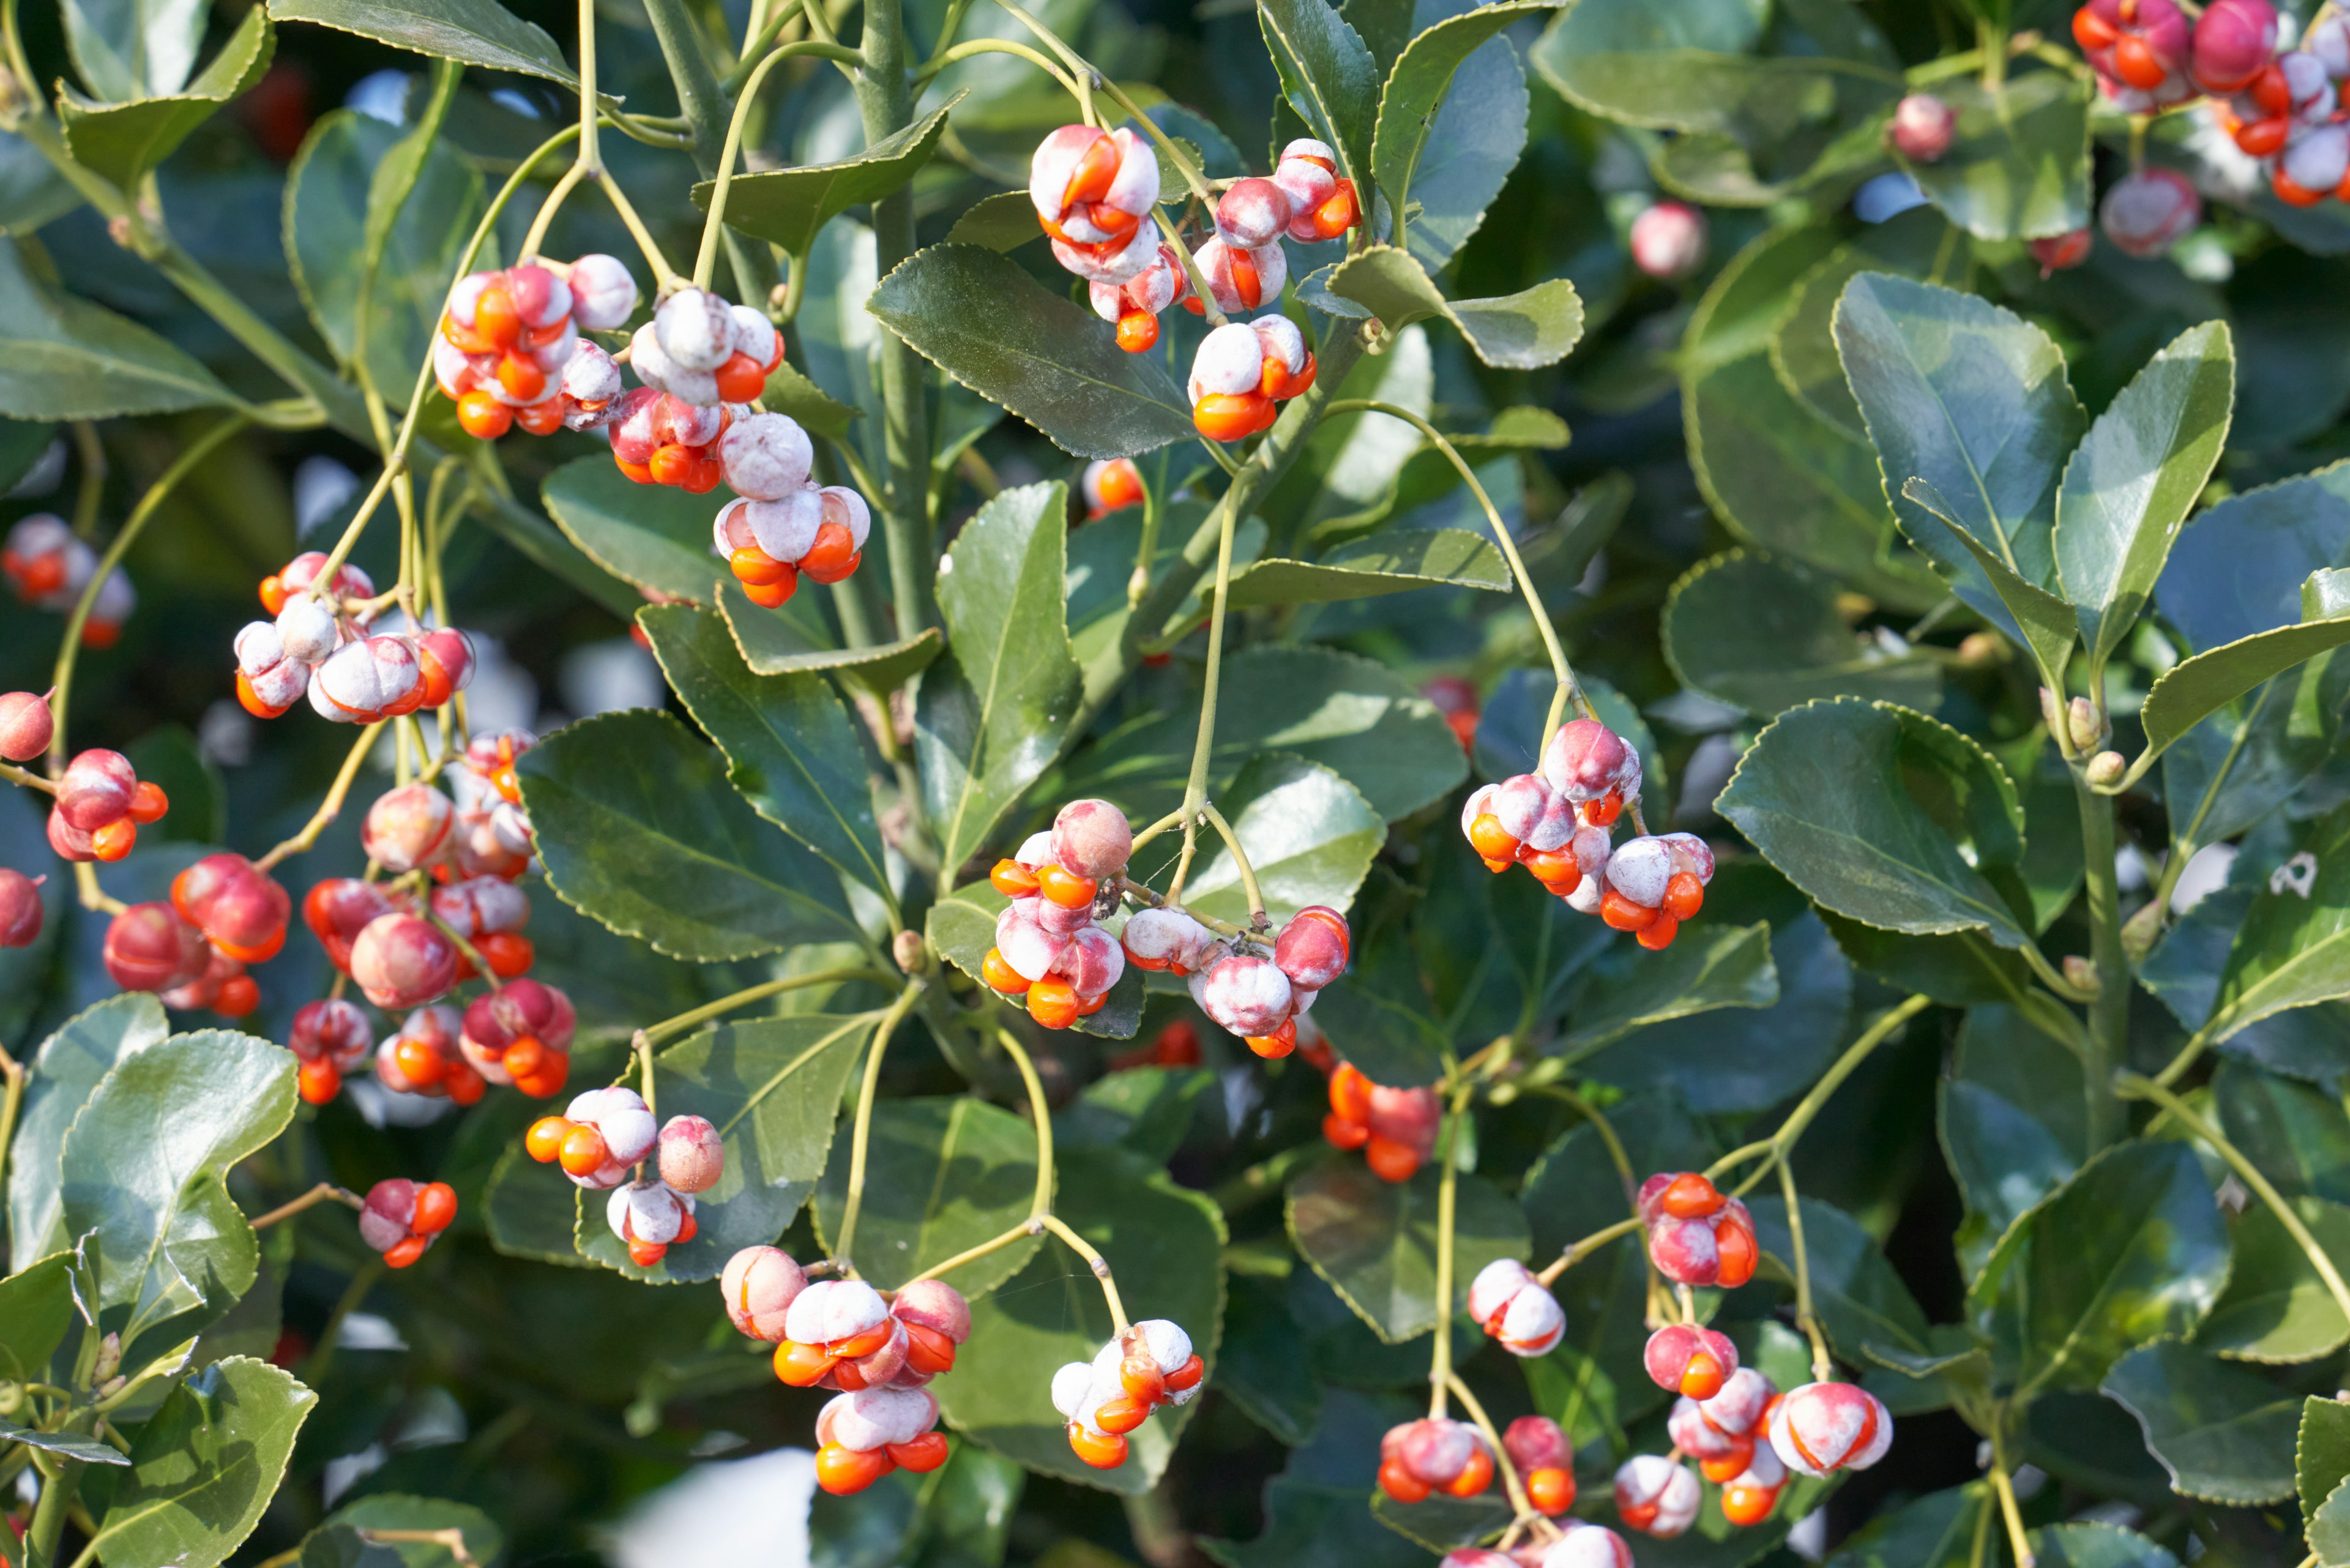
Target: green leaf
x,y
2293,948
63,1075
89,1450
1327,79
1865,806
123,140
1264,1375
1417,87
65,358
653,536
2239,567
145,1165
2130,486
2296,1134
1003,221
2045,623
1764,635
990,716
2225,1434
1972,400
1803,350
204,1466
1162,1244
331,206
1394,561
791,749
941,1175
1860,1301
2131,1250
1309,834
2276,1308
1354,716
2018,167
1936,1530
339,1545
1375,1241
1147,1109
2012,1122
771,1087
2092,1543
1317,1523
979,316
1708,967
471,32
2194,689
637,831
794,641
1472,147
529,1215
133,49
2329,1527
1683,67
787,206
36,1308
1521,331
2321,1452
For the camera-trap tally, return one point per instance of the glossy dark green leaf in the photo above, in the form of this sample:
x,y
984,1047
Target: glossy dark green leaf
x,y
1520,331
786,206
204,1466
2276,1307
1147,1109
941,1175
1764,634
1317,1524
1264,1374
1861,806
2194,689
2321,1452
771,1087
791,748
1974,401
1161,1243
1417,88
1375,1241
1349,713
1327,79
332,203
990,716
637,830
2226,1435
2092,1543
1393,562
133,49
2293,947
2238,566
531,1213
145,1165
1805,351
2012,1119
63,358
2329,1527
36,1308
1687,69
2129,485
1709,966
2131,1250
1859,1299
1936,1530
794,640
472,32
2045,623
1003,221
654,536
2018,166
2296,1133
1474,145
1309,834
123,140
63,1075
979,316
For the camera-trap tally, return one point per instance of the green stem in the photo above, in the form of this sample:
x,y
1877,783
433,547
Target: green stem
x,y
686,1020
1448,1188
49,1514
706,260
704,105
886,103
861,1136
2104,1046
1823,1366
1039,1111
1588,1245
157,493
1783,1140
1097,1263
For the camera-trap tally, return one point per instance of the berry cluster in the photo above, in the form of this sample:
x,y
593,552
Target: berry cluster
x,y
425,1056
1242,369
48,568
1697,1236
1048,948
101,804
1395,1128
785,525
1421,1457
863,1434
401,1218
603,1132
1516,1309
1150,1365
1261,997
509,350
1556,824
1726,1432
1109,485
317,643
330,1037
520,1035
149,946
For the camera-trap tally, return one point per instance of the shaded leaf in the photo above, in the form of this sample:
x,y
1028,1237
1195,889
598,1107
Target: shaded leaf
x,y
653,536
1327,79
1709,966
2293,947
941,1174
1520,331
2226,1435
204,1466
1764,634
775,643
2018,167
123,140
1375,1241
2276,1307
1860,1301
787,206
472,32
1392,562
65,358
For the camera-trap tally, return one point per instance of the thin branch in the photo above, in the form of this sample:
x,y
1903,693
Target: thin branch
x,y
863,1133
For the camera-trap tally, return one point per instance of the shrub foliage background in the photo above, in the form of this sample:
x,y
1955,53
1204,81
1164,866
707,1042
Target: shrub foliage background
x,y
1832,510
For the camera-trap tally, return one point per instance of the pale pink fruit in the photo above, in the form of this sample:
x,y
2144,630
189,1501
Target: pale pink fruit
x,y
1091,838
20,908
148,948
401,961
692,1158
1668,240
25,726
759,1285
1922,127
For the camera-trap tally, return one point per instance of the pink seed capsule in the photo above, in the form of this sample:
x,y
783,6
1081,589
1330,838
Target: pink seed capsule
x,y
148,948
2147,212
1669,241
406,828
95,789
400,962
1922,127
1091,838
692,1158
759,1286
1252,213
25,726
20,908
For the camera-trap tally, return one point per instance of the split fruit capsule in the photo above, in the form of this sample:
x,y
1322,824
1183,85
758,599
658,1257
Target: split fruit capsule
x,y
864,1435
2137,43
1747,1496
1133,305
839,1334
1516,1308
1697,1236
401,1218
403,961
1322,206
1654,883
1242,370
1656,1497
759,1286
1093,192
599,1136
20,908
1420,1459
1582,1545
149,946
1109,484
1819,1429
521,1034
1685,1359
241,909
330,1037
1544,1461
1151,1365
423,1057
1395,1128
649,1216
